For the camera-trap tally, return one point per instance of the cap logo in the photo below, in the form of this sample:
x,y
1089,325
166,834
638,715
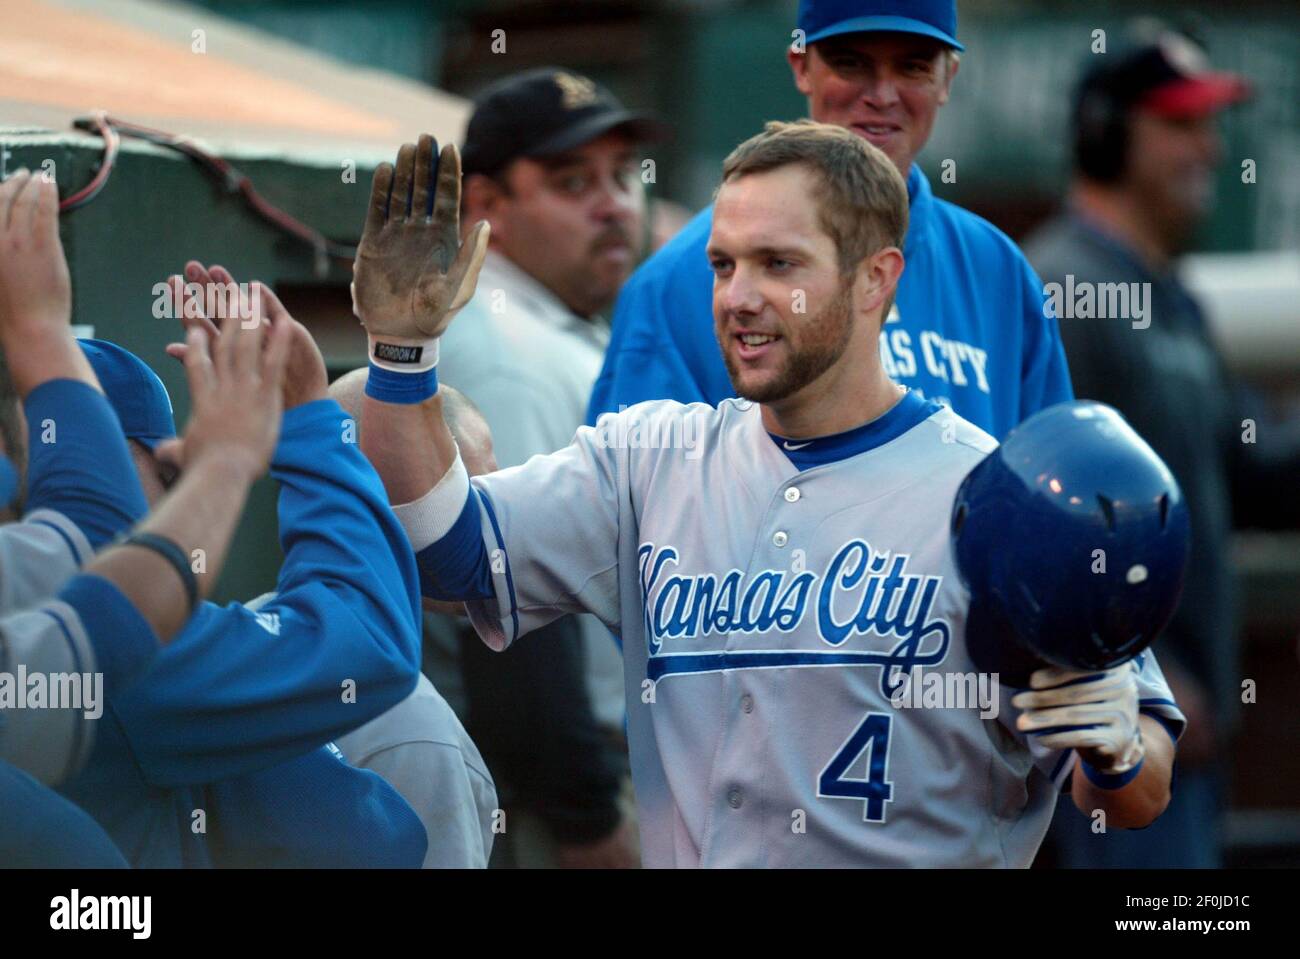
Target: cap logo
x,y
575,91
1184,55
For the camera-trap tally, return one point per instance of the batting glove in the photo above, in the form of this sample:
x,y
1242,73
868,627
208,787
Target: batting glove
x,y
1093,713
412,272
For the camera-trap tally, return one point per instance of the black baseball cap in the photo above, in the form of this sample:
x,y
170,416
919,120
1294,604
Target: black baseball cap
x,y
543,112
1168,75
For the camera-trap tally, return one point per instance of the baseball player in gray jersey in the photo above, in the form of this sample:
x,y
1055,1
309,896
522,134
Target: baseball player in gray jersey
x,y
778,568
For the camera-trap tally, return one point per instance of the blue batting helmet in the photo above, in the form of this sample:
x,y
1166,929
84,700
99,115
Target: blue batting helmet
x,y
1072,537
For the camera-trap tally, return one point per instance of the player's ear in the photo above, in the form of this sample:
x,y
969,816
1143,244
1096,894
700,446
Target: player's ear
x,y
798,61
481,198
951,61
878,277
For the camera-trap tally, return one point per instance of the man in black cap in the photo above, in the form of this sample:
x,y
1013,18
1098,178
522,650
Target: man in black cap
x,y
550,162
1145,149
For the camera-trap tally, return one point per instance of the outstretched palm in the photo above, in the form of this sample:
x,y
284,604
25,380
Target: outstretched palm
x,y
412,272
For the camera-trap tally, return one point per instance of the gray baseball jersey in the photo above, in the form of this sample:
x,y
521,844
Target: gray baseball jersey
x,y
41,637
771,618
37,556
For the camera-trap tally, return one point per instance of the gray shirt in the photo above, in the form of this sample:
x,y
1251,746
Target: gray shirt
x,y
42,637
421,749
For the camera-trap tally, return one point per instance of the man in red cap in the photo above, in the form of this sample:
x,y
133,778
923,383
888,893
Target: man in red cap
x,y
1146,148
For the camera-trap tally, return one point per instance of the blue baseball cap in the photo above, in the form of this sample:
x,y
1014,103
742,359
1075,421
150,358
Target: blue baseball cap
x,y
135,392
819,19
8,482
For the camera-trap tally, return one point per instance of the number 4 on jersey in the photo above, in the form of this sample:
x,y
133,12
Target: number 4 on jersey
x,y
872,736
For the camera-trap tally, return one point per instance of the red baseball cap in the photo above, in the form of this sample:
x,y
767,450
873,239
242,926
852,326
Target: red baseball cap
x,y
1181,82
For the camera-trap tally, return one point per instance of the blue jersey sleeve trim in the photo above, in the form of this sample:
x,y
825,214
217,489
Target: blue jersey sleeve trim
x,y
1056,770
1166,724
456,567
72,547
79,728
510,580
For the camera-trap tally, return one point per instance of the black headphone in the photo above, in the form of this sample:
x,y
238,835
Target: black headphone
x,y
1100,133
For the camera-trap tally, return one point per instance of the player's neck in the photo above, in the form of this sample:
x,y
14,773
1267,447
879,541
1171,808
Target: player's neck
x,y
841,399
1117,214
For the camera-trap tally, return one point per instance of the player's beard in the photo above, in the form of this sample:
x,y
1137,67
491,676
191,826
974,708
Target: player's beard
x,y
822,339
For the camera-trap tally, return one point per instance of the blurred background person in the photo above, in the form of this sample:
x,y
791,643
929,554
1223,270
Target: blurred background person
x,y
1146,147
550,161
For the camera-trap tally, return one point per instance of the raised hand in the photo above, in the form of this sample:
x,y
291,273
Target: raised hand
x,y
305,377
35,291
235,393
412,272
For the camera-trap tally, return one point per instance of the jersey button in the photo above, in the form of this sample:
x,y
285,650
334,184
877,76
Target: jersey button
x,y
734,798
780,539
792,494
747,703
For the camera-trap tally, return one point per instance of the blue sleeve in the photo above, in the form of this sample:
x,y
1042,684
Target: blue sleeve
x,y
237,691
124,642
1044,374
313,812
662,344
457,567
78,462
42,830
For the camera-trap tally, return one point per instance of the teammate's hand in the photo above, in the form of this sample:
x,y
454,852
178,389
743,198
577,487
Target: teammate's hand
x,y
412,273
618,850
1093,713
236,397
35,291
305,377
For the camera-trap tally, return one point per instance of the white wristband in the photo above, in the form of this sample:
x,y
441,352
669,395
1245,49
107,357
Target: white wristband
x,y
399,355
429,518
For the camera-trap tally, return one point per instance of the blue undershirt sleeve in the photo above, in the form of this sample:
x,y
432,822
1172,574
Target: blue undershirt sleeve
x,y
78,462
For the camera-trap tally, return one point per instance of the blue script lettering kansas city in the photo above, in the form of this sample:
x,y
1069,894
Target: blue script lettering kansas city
x,y
862,592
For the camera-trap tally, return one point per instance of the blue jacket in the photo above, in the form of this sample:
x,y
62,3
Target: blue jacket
x,y
313,812
237,692
970,329
39,829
